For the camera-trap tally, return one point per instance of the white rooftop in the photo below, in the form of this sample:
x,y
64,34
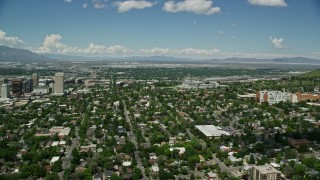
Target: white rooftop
x,y
211,130
126,163
55,143
267,168
181,149
65,131
275,165
54,159
62,143
212,175
155,168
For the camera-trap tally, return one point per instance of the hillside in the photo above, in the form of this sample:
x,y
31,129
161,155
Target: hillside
x,y
315,73
293,60
21,55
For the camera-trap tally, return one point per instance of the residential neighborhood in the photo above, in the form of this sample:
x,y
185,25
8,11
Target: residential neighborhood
x,y
128,128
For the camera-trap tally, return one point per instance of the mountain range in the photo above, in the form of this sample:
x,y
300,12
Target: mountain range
x,y
22,55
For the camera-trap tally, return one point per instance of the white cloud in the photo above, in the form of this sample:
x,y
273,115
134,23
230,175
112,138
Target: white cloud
x,y
221,32
316,55
68,1
277,42
182,52
204,7
124,6
9,41
84,5
156,51
52,44
101,49
98,4
192,51
275,3
254,55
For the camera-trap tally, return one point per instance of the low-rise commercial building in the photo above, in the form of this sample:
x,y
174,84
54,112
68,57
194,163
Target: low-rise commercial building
x,y
212,131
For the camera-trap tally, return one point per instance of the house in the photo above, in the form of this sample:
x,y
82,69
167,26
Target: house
x,y
107,175
91,147
97,176
121,140
296,143
234,159
121,129
153,158
155,169
181,150
212,176
55,143
54,159
62,131
202,159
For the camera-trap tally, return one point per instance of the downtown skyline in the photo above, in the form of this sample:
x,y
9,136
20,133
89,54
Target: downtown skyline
x,y
200,29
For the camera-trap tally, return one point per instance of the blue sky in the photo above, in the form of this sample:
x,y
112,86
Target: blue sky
x,y
182,28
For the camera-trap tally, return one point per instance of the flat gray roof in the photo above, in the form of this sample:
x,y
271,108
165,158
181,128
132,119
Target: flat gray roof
x,y
211,130
267,168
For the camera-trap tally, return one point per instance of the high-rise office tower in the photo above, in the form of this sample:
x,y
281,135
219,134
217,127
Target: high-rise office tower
x,y
28,85
17,88
35,79
5,91
59,83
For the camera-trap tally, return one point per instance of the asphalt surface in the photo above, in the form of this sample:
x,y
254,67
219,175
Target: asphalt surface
x,y
132,138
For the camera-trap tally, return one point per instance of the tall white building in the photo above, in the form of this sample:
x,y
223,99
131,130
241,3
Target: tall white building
x,y
274,97
59,83
5,91
266,172
35,79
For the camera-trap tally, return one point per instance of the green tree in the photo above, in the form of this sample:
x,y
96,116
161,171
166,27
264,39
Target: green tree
x,y
303,148
57,166
52,176
115,177
32,170
252,160
75,156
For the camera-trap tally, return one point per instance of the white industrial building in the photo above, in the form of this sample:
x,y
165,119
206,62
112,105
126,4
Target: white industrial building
x,y
196,84
212,131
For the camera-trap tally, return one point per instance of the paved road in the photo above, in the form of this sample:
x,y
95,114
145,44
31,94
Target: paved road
x,y
139,164
67,158
202,142
132,138
222,166
225,168
313,154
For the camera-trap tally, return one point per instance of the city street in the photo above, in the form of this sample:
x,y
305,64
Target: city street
x,y
132,138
